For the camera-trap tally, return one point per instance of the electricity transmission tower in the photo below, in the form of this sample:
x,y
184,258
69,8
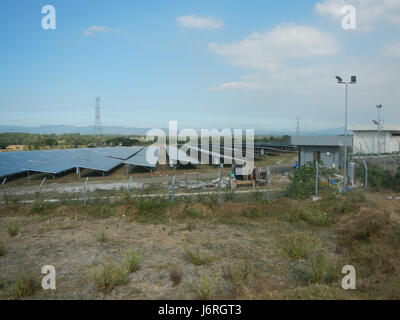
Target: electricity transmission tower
x,y
97,125
297,126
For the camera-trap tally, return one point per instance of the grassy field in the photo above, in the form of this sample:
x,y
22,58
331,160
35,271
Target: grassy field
x,y
244,248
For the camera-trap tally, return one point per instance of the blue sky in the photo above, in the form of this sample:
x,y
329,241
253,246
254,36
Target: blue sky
x,y
226,63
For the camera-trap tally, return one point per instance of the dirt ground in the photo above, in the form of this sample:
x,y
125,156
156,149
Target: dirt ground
x,y
198,249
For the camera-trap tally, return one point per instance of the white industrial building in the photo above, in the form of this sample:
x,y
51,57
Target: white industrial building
x,y
367,139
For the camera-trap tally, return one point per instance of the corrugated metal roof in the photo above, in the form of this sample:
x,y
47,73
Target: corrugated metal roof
x,y
331,141
374,127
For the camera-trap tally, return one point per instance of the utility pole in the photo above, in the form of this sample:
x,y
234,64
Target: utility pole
x,y
340,81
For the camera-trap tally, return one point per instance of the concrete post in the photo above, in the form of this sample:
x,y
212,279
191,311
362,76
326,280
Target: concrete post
x,y
366,176
316,178
268,178
85,191
1,189
41,189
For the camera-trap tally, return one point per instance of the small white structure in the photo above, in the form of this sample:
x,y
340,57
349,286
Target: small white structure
x,y
367,139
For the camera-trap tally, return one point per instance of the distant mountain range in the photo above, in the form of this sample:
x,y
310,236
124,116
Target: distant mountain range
x,y
143,131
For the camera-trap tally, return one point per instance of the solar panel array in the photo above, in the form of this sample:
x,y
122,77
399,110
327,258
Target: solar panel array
x,y
140,158
57,161
178,155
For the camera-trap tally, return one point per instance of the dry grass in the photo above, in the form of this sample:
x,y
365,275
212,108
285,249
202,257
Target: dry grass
x,y
243,249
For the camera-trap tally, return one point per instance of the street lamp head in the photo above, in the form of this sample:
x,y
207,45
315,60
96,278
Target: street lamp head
x,y
353,79
379,106
375,122
339,79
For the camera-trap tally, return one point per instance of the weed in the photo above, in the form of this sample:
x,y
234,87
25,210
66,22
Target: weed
x,y
206,286
300,245
175,275
190,226
196,257
314,217
152,211
2,248
106,211
133,260
322,270
25,285
39,207
253,212
101,236
237,276
351,202
229,196
257,196
13,229
109,275
193,213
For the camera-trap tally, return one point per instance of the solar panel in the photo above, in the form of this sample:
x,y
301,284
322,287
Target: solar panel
x,y
118,152
175,154
140,158
57,161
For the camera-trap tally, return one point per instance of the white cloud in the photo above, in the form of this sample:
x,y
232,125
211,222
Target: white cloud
x,y
194,21
241,85
371,14
269,50
91,31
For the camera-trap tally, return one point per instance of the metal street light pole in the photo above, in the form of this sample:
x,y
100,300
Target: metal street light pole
x,y
380,128
345,137
340,81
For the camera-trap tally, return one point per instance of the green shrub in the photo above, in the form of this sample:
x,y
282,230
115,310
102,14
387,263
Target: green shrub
x,y
303,182
314,217
379,179
13,229
322,270
299,246
351,202
109,275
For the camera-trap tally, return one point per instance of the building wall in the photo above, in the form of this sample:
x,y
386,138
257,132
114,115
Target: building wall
x,y
307,155
367,142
